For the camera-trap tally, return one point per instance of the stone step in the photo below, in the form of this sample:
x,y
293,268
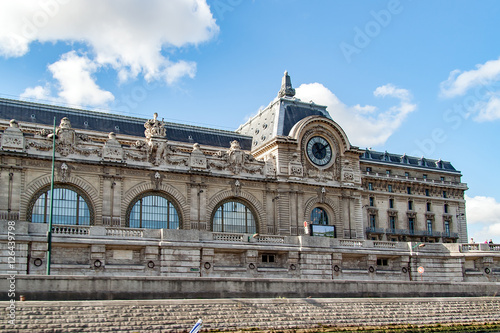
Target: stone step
x,y
180,315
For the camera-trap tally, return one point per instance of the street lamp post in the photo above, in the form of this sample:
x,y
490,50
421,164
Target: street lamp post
x,y
417,246
49,232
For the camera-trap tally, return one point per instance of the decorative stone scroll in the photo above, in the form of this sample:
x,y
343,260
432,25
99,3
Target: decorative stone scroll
x,y
271,167
13,138
236,161
295,168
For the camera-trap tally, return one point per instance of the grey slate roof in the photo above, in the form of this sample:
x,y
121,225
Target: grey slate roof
x,y
278,118
405,160
106,122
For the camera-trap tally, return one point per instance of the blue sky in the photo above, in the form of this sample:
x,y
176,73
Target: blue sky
x,y
414,77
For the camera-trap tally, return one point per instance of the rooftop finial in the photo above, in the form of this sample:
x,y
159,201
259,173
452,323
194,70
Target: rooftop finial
x,y
286,86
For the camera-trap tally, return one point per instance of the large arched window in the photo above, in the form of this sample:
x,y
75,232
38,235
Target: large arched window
x,y
153,211
70,207
234,216
319,216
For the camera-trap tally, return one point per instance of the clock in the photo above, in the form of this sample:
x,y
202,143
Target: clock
x,y
319,151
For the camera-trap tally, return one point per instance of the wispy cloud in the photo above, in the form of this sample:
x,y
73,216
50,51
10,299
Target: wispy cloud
x,y
365,125
485,76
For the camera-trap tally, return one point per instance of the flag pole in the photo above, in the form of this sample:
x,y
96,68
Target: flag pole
x,y
49,232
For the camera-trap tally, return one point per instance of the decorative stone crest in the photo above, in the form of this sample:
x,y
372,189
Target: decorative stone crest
x,y
65,137
13,138
64,172
197,160
66,141
237,188
156,179
112,150
322,195
236,161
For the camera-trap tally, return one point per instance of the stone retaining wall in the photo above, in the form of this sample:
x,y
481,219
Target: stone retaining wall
x,y
240,314
93,288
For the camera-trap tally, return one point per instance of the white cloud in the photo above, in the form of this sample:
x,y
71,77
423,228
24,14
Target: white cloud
x,y
129,36
75,83
484,106
488,110
483,218
458,82
364,125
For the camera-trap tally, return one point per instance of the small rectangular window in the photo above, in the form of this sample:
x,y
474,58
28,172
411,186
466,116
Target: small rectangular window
x,y
446,208
382,262
442,179
388,172
368,169
408,190
428,206
407,174
389,188
445,195
370,186
391,203
268,258
427,192
410,205
372,201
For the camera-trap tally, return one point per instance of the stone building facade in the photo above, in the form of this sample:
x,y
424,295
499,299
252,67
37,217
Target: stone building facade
x,y
147,197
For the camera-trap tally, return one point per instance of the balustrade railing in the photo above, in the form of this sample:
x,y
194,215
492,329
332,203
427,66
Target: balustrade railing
x,y
351,243
469,247
384,245
70,230
270,239
223,237
125,232
494,247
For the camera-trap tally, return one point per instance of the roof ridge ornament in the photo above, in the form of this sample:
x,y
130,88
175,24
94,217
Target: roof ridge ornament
x,y
286,86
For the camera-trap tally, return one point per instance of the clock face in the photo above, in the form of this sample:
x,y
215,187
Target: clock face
x,y
319,151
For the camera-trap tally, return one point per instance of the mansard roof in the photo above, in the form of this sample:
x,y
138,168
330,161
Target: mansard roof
x,y
43,114
279,117
405,161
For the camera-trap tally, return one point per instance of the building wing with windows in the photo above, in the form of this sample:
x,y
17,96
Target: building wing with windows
x,y
131,192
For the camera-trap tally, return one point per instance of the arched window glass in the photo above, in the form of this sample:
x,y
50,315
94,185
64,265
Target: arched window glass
x,y
153,211
234,216
319,216
69,207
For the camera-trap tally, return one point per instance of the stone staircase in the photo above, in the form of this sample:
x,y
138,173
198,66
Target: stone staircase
x,y
244,314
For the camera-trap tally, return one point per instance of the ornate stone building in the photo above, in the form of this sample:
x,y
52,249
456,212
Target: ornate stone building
x,y
147,197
